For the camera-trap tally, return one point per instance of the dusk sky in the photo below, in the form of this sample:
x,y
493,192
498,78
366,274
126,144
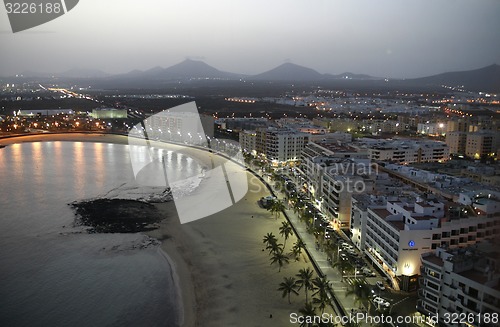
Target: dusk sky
x,y
386,38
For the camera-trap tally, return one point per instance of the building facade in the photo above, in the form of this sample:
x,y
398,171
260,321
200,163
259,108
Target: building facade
x,y
461,282
397,235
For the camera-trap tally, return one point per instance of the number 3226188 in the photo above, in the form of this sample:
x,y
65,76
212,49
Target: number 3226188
x,y
471,318
33,8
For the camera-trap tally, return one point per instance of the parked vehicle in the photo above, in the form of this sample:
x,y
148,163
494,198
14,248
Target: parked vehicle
x,y
267,201
369,272
382,302
380,285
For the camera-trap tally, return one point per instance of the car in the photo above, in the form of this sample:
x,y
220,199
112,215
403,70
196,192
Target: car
x,y
343,256
381,302
380,285
369,272
344,246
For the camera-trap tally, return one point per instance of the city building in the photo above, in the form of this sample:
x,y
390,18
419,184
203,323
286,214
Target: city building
x,y
481,144
456,141
280,145
398,233
463,281
248,141
457,125
330,174
483,202
404,151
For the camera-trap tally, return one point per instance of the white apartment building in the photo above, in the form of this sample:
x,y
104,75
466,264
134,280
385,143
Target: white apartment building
x,y
399,233
248,141
279,145
337,191
473,144
456,141
403,152
318,158
483,202
406,151
384,189
283,145
463,281
331,177
481,143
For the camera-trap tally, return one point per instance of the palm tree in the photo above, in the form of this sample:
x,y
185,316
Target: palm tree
x,y
269,239
344,266
322,302
279,258
307,217
305,280
322,286
275,247
286,230
361,293
331,247
297,248
308,311
319,233
277,207
288,286
299,206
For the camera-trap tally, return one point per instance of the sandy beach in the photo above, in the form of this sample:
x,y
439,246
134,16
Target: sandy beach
x,y
224,274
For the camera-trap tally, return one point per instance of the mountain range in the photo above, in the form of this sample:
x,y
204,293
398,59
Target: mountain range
x,y
483,79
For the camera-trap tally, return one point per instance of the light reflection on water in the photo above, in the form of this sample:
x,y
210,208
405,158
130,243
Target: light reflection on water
x,y
48,278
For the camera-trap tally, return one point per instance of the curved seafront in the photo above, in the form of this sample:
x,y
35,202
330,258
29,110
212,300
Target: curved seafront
x,y
225,277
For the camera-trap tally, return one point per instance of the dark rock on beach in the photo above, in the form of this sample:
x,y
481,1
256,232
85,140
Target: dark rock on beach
x,y
116,215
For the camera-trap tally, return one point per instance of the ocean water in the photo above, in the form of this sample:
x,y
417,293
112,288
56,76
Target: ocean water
x,y
52,273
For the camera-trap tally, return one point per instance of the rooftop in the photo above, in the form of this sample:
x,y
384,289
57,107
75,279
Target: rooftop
x,y
475,275
433,259
384,213
398,224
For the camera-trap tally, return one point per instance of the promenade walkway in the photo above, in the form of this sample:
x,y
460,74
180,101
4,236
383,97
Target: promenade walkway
x,y
343,304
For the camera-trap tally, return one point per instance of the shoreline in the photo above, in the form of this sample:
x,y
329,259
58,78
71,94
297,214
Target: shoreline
x,y
223,271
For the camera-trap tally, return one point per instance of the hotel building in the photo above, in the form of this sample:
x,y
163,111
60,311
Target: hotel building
x,y
397,234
